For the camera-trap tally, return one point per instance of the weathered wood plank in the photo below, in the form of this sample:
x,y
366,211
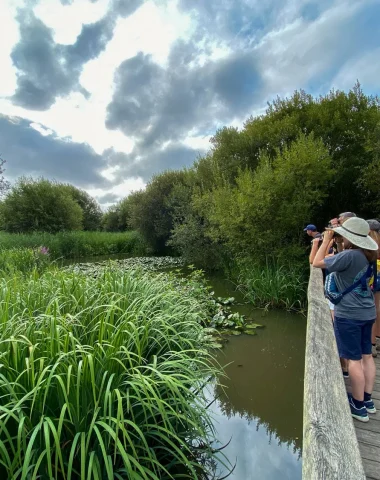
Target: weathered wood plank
x,y
372,469
370,452
366,436
330,446
372,426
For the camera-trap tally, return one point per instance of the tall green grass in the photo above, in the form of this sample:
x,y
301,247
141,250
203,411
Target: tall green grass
x,y
102,378
77,244
274,285
23,260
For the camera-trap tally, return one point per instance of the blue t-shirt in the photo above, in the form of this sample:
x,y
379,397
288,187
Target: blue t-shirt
x,y
350,266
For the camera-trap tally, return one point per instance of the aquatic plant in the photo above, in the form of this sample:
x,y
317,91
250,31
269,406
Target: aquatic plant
x,y
274,285
102,378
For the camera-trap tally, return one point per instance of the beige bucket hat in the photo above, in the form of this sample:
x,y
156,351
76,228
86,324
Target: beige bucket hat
x,y
356,231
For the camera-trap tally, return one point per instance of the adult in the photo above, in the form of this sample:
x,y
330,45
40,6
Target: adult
x,y
375,234
356,312
312,231
336,222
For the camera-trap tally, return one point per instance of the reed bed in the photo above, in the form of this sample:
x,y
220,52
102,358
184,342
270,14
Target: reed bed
x,y
102,378
274,285
77,244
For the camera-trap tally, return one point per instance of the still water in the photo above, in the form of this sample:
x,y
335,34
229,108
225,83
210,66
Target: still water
x,y
259,410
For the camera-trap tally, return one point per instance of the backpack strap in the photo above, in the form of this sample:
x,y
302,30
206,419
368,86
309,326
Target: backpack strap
x,y
362,280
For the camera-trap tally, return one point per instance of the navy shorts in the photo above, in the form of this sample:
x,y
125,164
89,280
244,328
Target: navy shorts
x,y
353,337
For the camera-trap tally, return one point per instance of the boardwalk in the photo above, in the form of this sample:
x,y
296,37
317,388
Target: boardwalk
x,y
368,434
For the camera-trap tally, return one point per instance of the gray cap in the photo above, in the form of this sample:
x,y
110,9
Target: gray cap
x,y
374,225
347,215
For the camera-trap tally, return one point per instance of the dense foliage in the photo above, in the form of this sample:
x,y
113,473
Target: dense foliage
x,y
102,378
305,160
45,206
77,244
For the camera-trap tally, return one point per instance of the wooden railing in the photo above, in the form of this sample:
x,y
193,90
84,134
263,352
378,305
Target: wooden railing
x,y
330,447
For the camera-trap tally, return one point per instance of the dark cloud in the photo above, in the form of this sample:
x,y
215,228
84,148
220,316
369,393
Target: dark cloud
x,y
108,198
172,157
47,70
156,105
28,152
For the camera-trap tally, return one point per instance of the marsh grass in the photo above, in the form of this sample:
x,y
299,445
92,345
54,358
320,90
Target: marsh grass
x,y
77,244
102,378
274,285
24,260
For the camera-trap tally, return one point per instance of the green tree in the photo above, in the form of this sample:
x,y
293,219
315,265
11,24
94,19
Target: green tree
x,y
110,219
40,205
92,213
266,210
151,212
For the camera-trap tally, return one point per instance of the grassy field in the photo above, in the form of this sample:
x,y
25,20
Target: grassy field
x,y
77,244
102,378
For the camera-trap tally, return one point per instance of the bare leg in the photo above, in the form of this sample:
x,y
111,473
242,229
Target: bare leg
x,y
369,369
344,364
356,371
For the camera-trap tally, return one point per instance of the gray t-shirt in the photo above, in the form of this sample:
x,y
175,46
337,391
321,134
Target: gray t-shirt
x,y
350,266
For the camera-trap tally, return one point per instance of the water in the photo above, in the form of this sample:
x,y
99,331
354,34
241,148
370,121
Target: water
x,y
259,410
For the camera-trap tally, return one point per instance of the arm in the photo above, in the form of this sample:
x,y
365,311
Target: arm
x,y
319,260
314,250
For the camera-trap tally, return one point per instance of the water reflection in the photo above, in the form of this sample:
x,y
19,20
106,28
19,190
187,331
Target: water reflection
x,y
260,405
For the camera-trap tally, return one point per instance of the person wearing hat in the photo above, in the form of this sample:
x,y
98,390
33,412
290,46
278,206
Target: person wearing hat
x,y
375,234
312,231
355,314
336,222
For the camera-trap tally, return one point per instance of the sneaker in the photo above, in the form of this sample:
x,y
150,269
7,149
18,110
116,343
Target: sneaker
x,y
358,413
374,351
345,374
370,406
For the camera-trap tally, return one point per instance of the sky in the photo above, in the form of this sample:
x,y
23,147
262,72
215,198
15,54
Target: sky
x,y
104,94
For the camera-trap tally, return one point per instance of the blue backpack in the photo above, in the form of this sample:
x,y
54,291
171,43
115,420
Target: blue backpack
x,y
331,289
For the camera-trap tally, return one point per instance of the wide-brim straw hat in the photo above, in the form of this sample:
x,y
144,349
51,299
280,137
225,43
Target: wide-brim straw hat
x,y
356,230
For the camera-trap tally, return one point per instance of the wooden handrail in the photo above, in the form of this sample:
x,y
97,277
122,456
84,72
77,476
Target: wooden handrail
x,y
330,447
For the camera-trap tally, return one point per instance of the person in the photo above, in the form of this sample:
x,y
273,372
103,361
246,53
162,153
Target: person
x,y
336,222
312,231
375,234
355,314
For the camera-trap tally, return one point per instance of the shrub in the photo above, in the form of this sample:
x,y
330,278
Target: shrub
x,y
102,378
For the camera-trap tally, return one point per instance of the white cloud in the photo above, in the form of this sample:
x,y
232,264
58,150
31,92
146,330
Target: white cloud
x,y
67,20
292,53
9,37
364,68
123,189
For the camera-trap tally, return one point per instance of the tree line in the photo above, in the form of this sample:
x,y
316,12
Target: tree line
x,y
41,205
249,197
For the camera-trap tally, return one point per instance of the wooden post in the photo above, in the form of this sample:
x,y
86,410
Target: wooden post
x,y
330,447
